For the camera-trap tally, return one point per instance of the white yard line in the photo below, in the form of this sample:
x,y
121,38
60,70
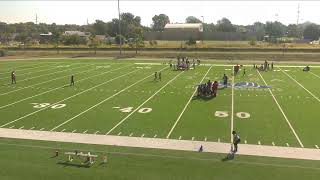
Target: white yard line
x,y
232,106
284,115
10,104
314,74
18,119
119,123
157,143
104,100
187,104
301,85
48,80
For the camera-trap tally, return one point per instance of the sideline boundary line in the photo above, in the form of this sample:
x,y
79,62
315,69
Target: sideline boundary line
x,y
284,115
103,101
119,123
185,107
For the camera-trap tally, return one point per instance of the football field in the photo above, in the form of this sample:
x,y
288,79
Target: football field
x,y
121,97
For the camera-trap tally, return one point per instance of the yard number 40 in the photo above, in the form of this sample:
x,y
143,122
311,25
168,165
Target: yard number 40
x,y
222,114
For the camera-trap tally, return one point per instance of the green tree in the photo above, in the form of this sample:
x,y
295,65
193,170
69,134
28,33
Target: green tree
x,y
311,32
159,21
225,25
192,19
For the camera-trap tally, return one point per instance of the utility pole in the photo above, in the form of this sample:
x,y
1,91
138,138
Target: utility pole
x,y
120,40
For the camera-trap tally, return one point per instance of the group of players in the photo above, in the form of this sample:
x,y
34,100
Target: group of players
x,y
183,63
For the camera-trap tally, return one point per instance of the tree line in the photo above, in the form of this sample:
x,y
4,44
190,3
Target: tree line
x,y
131,28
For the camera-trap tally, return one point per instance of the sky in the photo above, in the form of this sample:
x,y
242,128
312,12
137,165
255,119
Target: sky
x,y
239,12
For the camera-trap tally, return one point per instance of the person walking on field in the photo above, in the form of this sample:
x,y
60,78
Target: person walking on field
x,y
72,81
13,77
236,141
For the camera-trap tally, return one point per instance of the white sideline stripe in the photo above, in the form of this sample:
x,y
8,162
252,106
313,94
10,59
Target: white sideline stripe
x,y
10,104
284,115
158,143
68,98
74,131
37,76
102,102
300,85
187,104
314,74
21,127
26,69
232,106
48,80
143,103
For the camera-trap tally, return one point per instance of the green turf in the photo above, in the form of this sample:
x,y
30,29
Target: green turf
x,y
109,96
24,159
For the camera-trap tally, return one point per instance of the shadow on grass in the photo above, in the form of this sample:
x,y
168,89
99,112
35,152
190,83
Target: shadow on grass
x,y
70,164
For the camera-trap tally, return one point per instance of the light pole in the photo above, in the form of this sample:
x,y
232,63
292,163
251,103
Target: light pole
x,y
120,40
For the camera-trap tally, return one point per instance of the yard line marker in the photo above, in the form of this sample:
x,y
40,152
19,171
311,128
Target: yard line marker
x,y
192,138
104,101
11,127
131,134
119,134
155,136
67,98
317,146
85,131
284,115
314,74
10,104
300,85
118,124
63,130
187,104
273,144
287,144
47,81
142,135
21,127
179,137
41,129
96,132
232,107
31,128
259,142
205,139
74,131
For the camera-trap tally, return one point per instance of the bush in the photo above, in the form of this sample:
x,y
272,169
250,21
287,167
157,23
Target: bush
x,y
2,53
191,41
